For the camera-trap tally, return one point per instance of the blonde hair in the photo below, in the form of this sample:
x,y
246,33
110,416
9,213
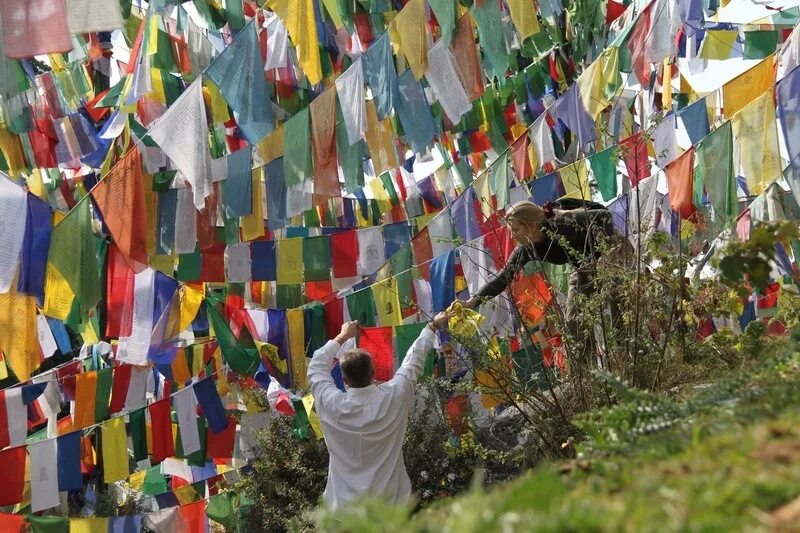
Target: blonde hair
x,y
526,212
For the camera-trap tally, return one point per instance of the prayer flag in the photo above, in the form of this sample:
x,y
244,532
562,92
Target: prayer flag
x,y
44,474
238,185
220,444
523,14
35,27
297,164
604,170
415,113
350,89
445,12
186,410
788,90
239,73
89,16
115,450
378,342
569,109
298,16
85,395
575,181
323,129
35,246
13,218
387,302
371,253
18,335
634,153
380,139
491,36
160,418
297,347
680,181
443,281
756,135
317,258
465,54
207,396
263,261
410,24
443,78
747,86
186,119
360,306
381,76
290,261
68,460
13,461
119,387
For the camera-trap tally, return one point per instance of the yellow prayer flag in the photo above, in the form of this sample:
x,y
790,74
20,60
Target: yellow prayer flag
x,y
18,339
222,380
158,93
219,108
523,14
313,417
115,450
12,152
298,17
380,140
163,263
191,298
290,261
410,24
136,480
271,146
575,179
332,6
718,44
484,194
89,334
592,88
387,302
610,71
36,184
180,367
270,351
3,369
747,86
253,224
755,132
92,524
151,45
186,494
380,195
297,347
666,85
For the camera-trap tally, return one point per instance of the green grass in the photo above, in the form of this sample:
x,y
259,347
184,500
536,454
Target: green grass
x,y
727,467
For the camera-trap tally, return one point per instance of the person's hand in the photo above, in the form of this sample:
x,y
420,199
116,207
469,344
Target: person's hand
x,y
349,330
472,303
441,319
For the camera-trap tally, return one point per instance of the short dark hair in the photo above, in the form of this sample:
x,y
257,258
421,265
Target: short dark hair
x,y
357,368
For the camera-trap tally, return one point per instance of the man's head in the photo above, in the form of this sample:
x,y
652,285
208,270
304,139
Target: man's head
x,y
357,368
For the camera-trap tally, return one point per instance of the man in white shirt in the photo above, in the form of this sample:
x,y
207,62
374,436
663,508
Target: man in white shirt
x,y
365,427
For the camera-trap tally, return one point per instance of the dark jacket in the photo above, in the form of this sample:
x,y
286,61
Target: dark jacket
x,y
569,237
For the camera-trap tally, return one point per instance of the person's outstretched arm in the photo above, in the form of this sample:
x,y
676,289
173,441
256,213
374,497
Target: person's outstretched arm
x,y
414,362
320,381
498,284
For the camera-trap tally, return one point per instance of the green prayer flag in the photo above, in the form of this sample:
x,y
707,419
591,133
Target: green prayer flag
x,y
317,258
311,218
189,266
154,482
498,179
491,36
301,424
404,337
138,433
604,169
760,44
351,159
316,321
361,307
289,296
48,524
241,360
388,184
103,394
72,253
445,11
297,165
235,13
163,58
400,264
715,169
220,510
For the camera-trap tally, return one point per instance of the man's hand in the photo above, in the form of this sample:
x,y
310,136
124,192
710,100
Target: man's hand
x,y
471,303
441,319
349,330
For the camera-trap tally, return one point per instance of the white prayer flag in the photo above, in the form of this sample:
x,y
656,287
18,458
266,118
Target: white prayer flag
x,y
186,408
89,16
44,474
443,79
13,215
133,349
350,90
371,251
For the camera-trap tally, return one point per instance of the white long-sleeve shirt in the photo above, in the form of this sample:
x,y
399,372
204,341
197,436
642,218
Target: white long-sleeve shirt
x,y
365,427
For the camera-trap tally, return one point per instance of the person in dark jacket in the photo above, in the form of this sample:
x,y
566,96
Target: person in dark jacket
x,y
568,232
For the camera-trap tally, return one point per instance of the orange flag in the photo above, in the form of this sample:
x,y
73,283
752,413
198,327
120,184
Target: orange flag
x,y
680,178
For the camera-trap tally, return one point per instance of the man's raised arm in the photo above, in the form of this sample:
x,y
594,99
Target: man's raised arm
x,y
319,369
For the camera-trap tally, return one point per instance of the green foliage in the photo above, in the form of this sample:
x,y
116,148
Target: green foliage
x,y
288,480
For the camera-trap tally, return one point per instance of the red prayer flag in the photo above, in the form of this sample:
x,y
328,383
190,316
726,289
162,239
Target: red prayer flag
x,y
12,523
318,290
120,197
334,317
192,517
680,180
520,159
613,11
344,254
379,343
212,264
637,44
119,387
160,418
119,294
220,445
13,461
634,150
423,253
